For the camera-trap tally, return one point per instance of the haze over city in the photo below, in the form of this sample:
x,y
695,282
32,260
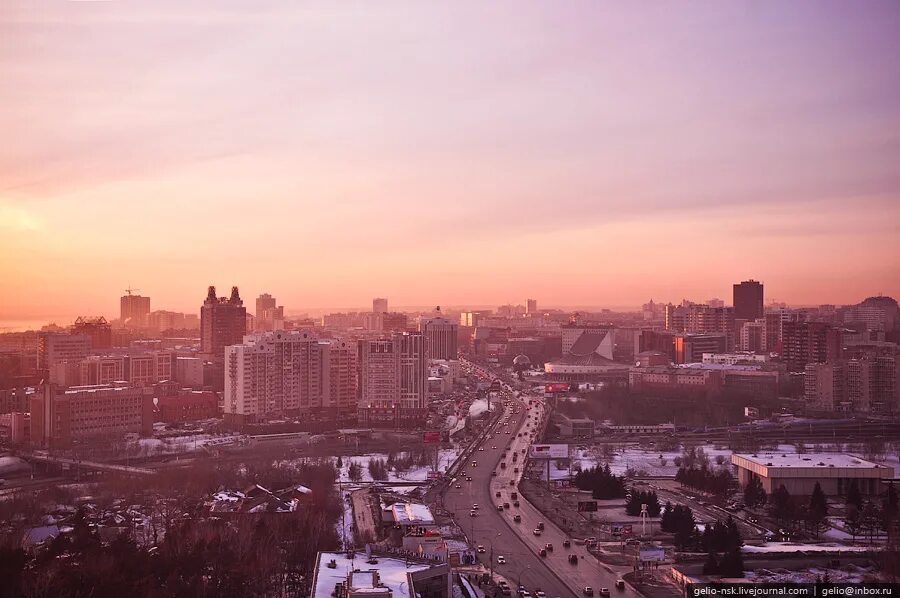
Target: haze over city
x,y
446,154
405,299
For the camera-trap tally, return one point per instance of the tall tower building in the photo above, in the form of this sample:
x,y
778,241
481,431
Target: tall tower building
x,y
531,306
748,300
134,309
223,322
378,380
379,305
441,337
809,342
411,369
269,315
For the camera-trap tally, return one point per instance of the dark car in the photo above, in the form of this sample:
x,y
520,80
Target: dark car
x,y
517,518
566,544
573,559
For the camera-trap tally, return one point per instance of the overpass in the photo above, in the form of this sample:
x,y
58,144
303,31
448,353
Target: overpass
x,y
42,457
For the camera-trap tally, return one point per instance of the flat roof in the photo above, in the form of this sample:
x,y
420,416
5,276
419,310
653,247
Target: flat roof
x,y
807,460
411,514
392,572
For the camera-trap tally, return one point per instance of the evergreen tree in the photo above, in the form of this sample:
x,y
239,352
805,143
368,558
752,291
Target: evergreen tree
x,y
854,497
817,511
852,521
781,504
711,566
754,494
732,564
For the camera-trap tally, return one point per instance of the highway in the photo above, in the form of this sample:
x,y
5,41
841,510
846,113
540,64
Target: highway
x,y
498,532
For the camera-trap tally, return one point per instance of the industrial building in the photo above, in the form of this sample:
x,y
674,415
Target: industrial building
x,y
798,472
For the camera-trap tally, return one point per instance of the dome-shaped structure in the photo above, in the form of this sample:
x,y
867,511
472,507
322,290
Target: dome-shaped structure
x,y
521,362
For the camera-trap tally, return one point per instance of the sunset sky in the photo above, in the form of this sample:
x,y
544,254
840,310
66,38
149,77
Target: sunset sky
x,y
446,153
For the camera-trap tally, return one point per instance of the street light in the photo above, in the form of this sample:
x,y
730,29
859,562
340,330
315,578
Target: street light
x,y
519,576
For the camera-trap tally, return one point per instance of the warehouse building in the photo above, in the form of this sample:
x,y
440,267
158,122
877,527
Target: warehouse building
x,y
798,473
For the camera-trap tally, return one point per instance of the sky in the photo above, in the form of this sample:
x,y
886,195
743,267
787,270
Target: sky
x,y
580,153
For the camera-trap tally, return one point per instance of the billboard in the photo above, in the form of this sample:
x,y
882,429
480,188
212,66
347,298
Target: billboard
x,y
587,506
549,451
652,555
554,387
432,437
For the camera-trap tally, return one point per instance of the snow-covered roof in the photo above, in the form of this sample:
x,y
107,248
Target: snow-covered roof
x,y
774,461
391,572
411,514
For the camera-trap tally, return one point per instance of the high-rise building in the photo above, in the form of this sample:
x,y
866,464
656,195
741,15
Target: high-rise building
x,y
690,347
379,384
379,305
56,347
715,302
223,322
866,385
809,342
279,373
441,337
748,300
269,315
753,336
394,322
134,309
392,379
473,319
531,306
97,328
411,369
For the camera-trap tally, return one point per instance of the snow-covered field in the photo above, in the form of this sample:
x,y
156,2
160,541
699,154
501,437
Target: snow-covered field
x,y
781,547
416,473
844,574
179,444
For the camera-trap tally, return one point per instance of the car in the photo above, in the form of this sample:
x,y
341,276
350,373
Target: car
x,y
540,525
494,474
474,463
604,592
512,482
475,506
517,518
515,470
566,543
473,513
499,507
481,448
536,532
457,486
542,552
588,591
497,494
468,479
501,560
549,546
620,584
493,448
480,549
522,590
573,559
541,594
516,503
506,505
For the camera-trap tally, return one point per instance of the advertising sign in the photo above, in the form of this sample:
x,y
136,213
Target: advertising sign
x,y
587,506
549,451
554,387
652,555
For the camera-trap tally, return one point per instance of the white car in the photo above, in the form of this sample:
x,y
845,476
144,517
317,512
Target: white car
x,y
501,560
480,549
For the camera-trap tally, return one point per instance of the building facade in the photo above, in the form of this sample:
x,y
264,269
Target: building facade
x,y
748,300
223,322
441,338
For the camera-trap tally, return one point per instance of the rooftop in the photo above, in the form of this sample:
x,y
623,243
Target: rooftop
x,y
392,572
411,514
807,460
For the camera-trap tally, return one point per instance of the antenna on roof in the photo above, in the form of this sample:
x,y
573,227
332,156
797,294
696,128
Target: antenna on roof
x,y
129,290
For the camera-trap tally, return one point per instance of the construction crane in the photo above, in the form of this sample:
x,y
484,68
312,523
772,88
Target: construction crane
x,y
129,290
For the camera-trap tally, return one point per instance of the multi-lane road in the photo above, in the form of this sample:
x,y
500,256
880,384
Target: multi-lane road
x,y
516,542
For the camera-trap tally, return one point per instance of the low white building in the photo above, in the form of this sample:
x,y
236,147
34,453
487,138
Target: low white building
x,y
798,473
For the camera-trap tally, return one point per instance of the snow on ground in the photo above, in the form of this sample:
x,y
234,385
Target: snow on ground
x,y
649,461
796,547
844,574
178,444
416,473
478,407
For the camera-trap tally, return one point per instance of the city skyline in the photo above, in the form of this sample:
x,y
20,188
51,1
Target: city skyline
x,y
485,155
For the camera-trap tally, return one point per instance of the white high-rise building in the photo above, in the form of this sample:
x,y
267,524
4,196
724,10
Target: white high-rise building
x,y
288,373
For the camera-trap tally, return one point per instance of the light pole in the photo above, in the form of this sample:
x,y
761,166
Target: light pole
x,y
519,576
